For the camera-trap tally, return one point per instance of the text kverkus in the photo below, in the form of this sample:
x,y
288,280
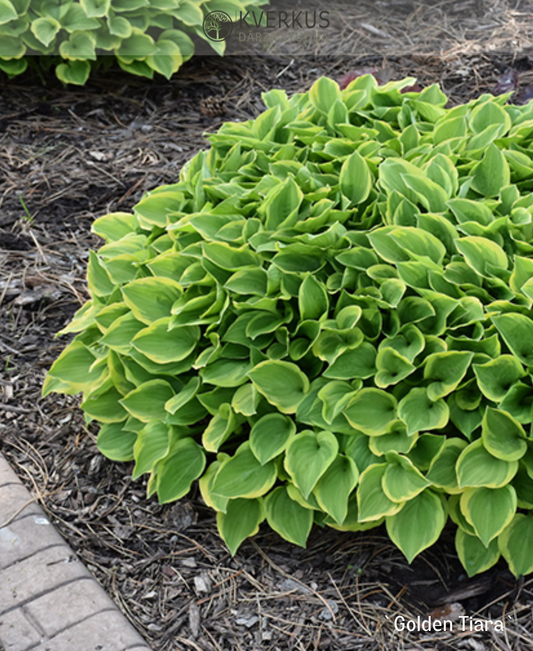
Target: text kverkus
x,y
273,19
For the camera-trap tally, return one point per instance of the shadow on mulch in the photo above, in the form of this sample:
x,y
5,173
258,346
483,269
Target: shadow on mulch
x,y
70,155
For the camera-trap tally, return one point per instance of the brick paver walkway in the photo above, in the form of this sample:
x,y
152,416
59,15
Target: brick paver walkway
x,y
48,599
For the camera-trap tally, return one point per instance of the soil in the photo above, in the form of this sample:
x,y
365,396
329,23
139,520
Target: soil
x,y
69,155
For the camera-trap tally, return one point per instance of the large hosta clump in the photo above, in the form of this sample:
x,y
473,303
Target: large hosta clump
x,y
329,319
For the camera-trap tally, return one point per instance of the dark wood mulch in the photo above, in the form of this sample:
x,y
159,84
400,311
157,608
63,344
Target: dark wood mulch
x,y
70,155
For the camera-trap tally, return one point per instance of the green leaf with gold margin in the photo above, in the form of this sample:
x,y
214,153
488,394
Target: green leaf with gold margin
x,y
371,411
401,480
355,179
333,489
243,475
515,543
288,518
421,413
473,554
488,510
418,525
283,384
270,435
517,332
477,467
240,521
115,443
372,502
308,456
177,471
503,436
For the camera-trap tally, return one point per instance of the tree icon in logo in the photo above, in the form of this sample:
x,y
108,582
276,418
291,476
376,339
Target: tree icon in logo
x,y
217,26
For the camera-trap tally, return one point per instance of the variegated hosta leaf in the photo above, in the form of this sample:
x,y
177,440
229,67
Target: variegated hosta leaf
x,y
474,555
418,525
326,318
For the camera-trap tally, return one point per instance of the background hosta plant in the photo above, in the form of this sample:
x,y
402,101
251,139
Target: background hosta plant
x,y
145,36
328,320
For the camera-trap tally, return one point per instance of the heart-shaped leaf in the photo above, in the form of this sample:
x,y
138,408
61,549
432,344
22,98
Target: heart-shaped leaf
x,y
491,173
477,467
308,457
45,29
371,411
270,435
244,476
445,371
488,510
95,8
515,544
324,93
116,443
495,377
503,436
7,12
79,47
73,72
418,525
291,520
312,299
372,502
392,367
333,489
220,427
177,471
240,521
420,413
517,332
281,383
442,472
402,481
355,179
151,445
473,554
162,344
148,400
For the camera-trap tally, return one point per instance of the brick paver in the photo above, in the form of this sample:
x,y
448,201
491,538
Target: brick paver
x,y
107,625
17,632
14,497
20,583
24,537
48,599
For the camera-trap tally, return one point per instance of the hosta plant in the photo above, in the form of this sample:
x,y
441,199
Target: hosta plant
x,y
328,320
145,36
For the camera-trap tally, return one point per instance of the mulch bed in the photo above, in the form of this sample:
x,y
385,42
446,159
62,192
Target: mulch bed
x,y
70,155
